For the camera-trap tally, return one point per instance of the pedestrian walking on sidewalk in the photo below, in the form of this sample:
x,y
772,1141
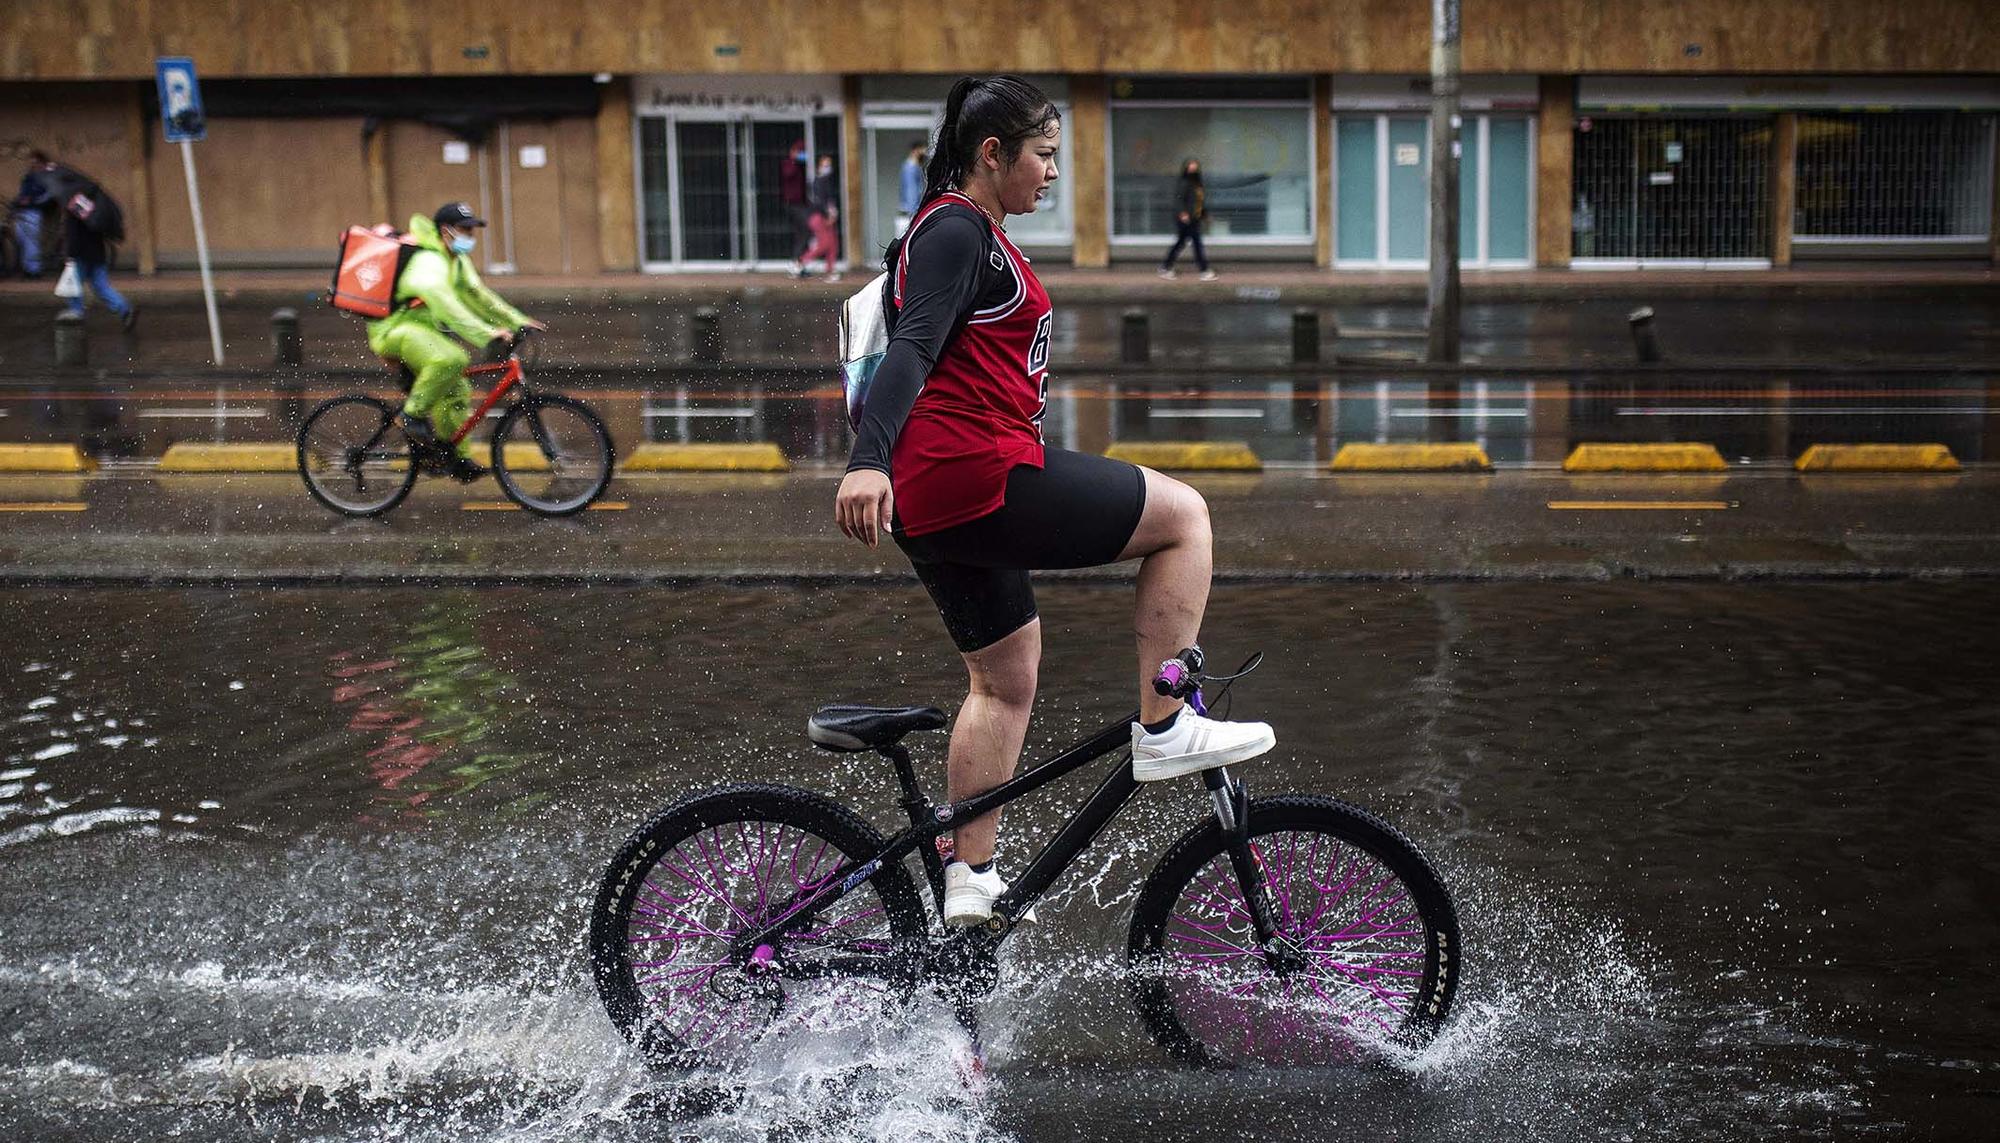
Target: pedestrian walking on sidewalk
x,y
39,197
1190,211
87,240
794,178
825,222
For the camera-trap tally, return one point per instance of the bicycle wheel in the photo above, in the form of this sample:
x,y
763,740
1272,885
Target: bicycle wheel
x,y
664,931
552,455
1368,932
354,457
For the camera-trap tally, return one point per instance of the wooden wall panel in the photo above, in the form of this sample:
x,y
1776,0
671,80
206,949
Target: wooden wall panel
x,y
617,222
420,180
1555,170
257,209
85,126
104,39
1085,138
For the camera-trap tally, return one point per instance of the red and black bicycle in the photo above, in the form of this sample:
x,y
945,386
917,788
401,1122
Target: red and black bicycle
x,y
551,454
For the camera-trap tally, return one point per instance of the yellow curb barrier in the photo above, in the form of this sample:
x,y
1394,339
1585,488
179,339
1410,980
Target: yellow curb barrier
x,y
1641,505
760,457
510,506
1188,456
1674,457
272,456
1452,457
43,506
44,458
1877,458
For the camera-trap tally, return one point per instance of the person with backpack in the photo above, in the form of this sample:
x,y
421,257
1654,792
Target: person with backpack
x,y
439,302
92,222
949,459
39,197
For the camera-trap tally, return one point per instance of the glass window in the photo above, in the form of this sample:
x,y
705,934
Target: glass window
x,y
1392,153
1895,175
1409,190
655,187
1255,165
1695,188
1355,195
1507,190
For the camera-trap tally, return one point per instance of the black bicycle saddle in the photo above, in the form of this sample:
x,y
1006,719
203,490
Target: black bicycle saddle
x,y
848,727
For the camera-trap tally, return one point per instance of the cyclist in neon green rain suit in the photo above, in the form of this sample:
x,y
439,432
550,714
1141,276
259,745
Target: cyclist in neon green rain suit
x,y
454,303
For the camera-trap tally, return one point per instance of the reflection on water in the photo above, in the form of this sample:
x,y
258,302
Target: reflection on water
x,y
432,708
1300,417
1721,854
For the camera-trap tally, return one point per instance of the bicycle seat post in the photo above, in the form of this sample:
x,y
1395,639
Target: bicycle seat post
x,y
906,773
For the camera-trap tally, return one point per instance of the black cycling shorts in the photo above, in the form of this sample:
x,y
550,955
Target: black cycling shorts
x,y
1076,511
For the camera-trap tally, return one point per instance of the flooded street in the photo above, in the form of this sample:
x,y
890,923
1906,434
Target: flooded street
x,y
315,863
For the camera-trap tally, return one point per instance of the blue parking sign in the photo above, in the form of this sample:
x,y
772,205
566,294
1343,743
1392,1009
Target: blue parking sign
x,y
180,100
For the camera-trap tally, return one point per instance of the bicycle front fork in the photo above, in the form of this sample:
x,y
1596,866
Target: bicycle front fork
x,y
1232,813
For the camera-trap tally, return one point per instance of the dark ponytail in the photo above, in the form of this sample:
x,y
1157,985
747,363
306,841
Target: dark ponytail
x,y
1005,107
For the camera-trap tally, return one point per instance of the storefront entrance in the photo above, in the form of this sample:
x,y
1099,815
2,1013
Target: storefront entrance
x,y
712,188
1688,191
713,167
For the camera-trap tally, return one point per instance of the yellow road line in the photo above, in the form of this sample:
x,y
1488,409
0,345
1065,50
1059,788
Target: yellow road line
x,y
510,506
44,506
1642,505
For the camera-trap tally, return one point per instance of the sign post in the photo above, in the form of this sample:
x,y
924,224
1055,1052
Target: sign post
x,y
182,119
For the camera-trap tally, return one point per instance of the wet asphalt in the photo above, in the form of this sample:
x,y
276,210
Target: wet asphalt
x,y
141,526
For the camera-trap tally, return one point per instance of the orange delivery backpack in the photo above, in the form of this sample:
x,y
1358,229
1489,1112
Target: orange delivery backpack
x,y
371,258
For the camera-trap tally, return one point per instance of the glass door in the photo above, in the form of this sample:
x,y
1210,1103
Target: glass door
x,y
710,188
888,138
706,168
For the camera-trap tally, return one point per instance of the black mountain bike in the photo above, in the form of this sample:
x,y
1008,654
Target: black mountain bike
x,y
1287,930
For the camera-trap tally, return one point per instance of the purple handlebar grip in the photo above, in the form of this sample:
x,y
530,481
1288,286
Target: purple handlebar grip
x,y
1172,676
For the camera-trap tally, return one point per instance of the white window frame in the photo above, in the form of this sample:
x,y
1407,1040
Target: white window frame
x,y
679,264
924,117
1480,259
1288,242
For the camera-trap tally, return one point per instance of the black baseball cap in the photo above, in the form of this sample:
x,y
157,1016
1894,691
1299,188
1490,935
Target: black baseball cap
x,y
457,214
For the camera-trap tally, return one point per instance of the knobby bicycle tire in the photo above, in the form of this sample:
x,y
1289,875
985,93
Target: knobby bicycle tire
x,y
1373,925
521,427
395,466
713,865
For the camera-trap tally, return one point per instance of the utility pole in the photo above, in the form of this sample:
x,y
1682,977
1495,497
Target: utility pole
x,y
1443,291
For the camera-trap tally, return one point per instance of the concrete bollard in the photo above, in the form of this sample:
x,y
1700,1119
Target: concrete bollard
x,y
1645,342
287,348
707,334
1134,338
72,346
1305,336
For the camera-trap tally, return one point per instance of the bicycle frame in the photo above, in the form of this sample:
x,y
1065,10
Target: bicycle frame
x,y
929,821
511,375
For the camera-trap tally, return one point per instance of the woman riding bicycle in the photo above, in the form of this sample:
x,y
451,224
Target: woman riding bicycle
x,y
949,459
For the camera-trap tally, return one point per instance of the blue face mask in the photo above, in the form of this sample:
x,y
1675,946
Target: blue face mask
x,y
461,244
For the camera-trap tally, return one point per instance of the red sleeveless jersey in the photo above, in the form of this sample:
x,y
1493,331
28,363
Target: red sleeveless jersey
x,y
980,411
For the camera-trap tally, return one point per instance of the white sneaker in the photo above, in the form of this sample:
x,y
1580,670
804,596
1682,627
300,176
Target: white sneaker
x,y
1208,275
1194,743
1169,275
969,896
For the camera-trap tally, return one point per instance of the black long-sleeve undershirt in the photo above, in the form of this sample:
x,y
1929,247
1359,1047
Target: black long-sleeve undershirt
x,y
947,273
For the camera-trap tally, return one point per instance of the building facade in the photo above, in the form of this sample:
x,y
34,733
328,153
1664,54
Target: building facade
x,y
1595,133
